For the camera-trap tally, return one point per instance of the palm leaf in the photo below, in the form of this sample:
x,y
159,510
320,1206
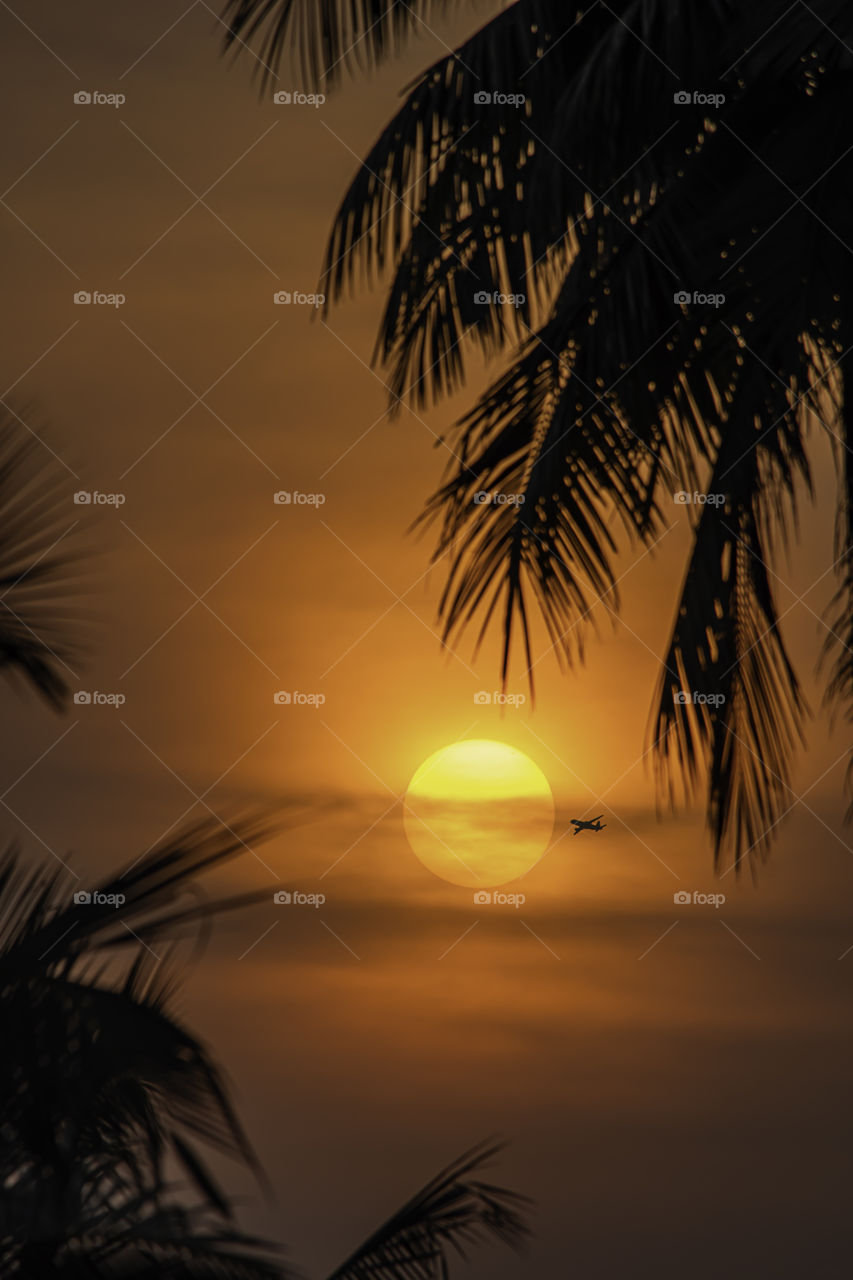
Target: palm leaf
x,y
454,1210
105,1087
36,584
327,35
600,199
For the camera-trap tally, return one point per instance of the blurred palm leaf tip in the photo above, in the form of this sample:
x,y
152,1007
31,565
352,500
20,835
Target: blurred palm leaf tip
x,y
38,573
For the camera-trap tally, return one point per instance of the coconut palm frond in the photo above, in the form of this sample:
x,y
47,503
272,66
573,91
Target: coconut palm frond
x,y
644,52
325,36
512,539
837,652
455,1210
680,270
105,1089
760,46
503,212
148,1234
447,149
44,931
147,1239
449,292
727,650
37,585
55,1011
572,439
174,1088
729,701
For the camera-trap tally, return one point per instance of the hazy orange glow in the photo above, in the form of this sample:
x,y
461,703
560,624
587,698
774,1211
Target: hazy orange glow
x,y
373,1039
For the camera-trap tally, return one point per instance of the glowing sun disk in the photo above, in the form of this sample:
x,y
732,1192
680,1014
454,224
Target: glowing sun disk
x,y
479,813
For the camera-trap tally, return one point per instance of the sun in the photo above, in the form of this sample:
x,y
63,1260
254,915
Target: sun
x,y
479,813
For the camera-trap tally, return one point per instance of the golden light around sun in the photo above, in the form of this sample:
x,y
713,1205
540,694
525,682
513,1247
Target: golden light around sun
x,y
479,813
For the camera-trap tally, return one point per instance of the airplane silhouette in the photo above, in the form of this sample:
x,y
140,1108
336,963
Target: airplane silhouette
x,y
594,824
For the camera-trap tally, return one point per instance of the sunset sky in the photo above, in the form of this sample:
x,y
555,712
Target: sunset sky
x,y
662,1073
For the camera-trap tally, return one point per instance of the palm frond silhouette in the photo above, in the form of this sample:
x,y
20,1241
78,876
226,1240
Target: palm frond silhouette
x,y
108,1099
331,35
104,1091
37,585
455,1209
669,210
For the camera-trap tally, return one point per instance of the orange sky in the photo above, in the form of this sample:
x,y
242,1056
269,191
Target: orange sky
x,y
660,1089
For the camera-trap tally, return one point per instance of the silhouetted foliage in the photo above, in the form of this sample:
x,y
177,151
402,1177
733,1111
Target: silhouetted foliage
x,y
454,1209
615,186
104,1092
37,575
106,1098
